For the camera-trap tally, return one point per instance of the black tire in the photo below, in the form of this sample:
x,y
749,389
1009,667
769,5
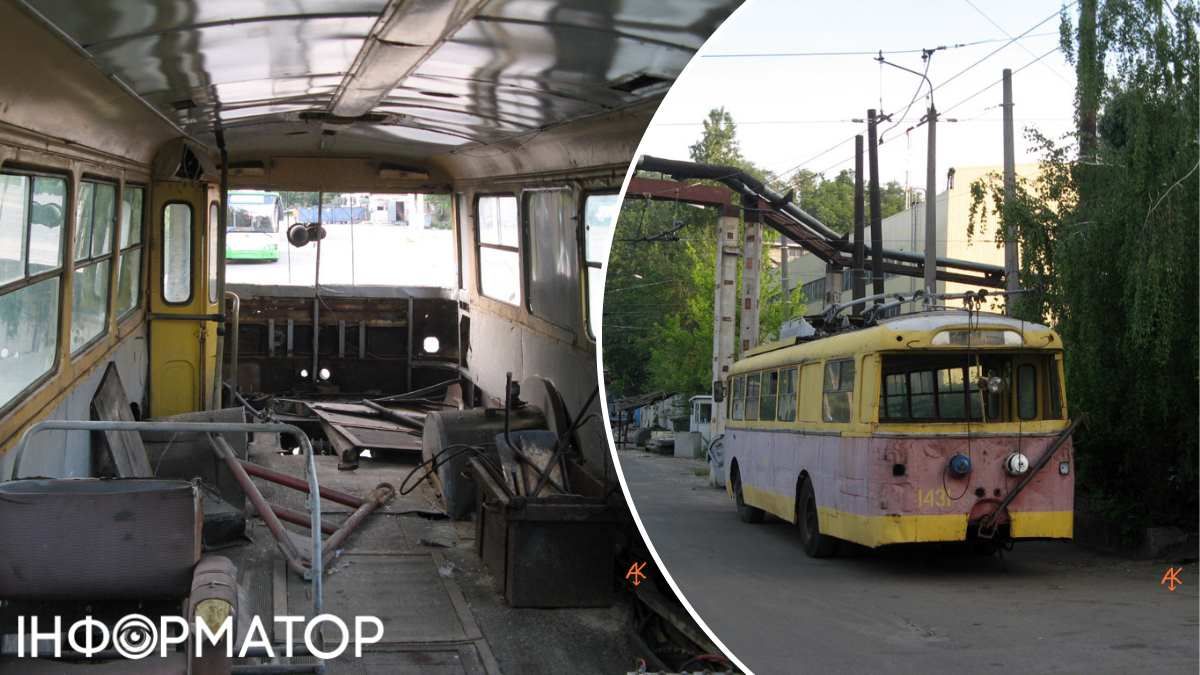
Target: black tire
x,y
816,545
748,514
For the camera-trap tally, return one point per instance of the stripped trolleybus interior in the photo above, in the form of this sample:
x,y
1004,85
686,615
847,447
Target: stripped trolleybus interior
x,y
418,197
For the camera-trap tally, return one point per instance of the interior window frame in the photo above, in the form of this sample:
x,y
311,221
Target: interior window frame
x,y
91,259
139,246
65,253
586,263
480,245
525,238
162,283
212,251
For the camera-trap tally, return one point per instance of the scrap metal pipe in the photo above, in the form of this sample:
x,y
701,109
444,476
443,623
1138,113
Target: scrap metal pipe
x,y
297,518
310,466
381,495
742,182
286,546
284,479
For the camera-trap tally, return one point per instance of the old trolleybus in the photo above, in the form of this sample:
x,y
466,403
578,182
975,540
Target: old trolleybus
x,y
939,426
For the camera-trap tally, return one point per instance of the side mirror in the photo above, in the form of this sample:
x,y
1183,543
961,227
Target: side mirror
x,y
718,390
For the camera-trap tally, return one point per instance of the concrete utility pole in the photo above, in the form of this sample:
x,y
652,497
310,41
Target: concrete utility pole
x,y
1012,261
931,208
724,306
859,279
876,207
751,260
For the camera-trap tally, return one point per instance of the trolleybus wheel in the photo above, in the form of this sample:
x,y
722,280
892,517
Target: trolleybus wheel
x,y
816,545
748,514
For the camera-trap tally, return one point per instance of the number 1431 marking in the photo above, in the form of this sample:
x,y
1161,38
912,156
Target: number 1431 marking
x,y
932,497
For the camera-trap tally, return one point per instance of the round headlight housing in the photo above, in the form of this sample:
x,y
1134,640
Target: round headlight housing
x,y
960,465
1016,464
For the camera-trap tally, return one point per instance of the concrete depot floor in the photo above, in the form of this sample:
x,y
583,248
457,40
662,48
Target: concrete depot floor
x,y
1046,607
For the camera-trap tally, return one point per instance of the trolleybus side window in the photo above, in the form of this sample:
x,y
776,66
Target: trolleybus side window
x,y
177,253
950,388
1027,391
32,212
837,390
95,221
737,401
1053,396
895,395
921,385
499,248
753,384
129,264
769,394
787,395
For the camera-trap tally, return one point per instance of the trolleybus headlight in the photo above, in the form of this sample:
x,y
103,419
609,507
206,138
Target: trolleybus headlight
x,y
1016,464
1064,468
960,465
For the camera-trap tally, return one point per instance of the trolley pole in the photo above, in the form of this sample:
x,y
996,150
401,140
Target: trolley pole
x,y
1012,260
860,217
931,209
876,206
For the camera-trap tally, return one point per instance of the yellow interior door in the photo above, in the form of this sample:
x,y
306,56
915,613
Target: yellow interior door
x,y
183,308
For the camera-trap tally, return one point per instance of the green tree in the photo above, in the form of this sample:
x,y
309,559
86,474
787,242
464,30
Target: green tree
x,y
658,306
832,200
1108,235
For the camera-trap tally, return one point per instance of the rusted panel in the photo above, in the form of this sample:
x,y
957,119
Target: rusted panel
x,y
362,427
125,448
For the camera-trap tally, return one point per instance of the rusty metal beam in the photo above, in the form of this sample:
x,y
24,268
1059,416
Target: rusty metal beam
x,y
670,190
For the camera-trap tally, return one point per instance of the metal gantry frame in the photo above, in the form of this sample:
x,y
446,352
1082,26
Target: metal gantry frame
x,y
784,216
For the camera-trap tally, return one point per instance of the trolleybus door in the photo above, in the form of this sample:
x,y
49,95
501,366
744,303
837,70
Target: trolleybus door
x,y
184,311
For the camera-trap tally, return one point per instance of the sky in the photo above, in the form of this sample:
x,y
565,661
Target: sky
x,y
791,109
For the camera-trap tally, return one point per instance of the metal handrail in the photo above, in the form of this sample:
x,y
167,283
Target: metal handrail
x,y
235,329
310,467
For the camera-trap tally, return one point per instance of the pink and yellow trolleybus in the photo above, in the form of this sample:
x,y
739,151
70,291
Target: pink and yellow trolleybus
x,y
939,426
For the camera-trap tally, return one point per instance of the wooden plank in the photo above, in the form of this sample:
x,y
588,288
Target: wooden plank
x,y
125,447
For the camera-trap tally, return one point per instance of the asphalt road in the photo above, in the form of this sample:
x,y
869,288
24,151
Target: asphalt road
x,y
1047,607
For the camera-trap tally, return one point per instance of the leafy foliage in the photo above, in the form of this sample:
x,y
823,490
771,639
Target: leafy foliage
x,y
1108,244
660,288
832,200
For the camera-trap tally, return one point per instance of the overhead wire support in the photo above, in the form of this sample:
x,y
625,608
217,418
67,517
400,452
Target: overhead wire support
x,y
1007,42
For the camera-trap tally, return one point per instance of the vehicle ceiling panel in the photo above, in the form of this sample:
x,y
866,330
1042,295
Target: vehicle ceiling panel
x,y
432,75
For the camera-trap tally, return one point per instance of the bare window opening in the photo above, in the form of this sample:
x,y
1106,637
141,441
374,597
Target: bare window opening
x,y
371,239
599,217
